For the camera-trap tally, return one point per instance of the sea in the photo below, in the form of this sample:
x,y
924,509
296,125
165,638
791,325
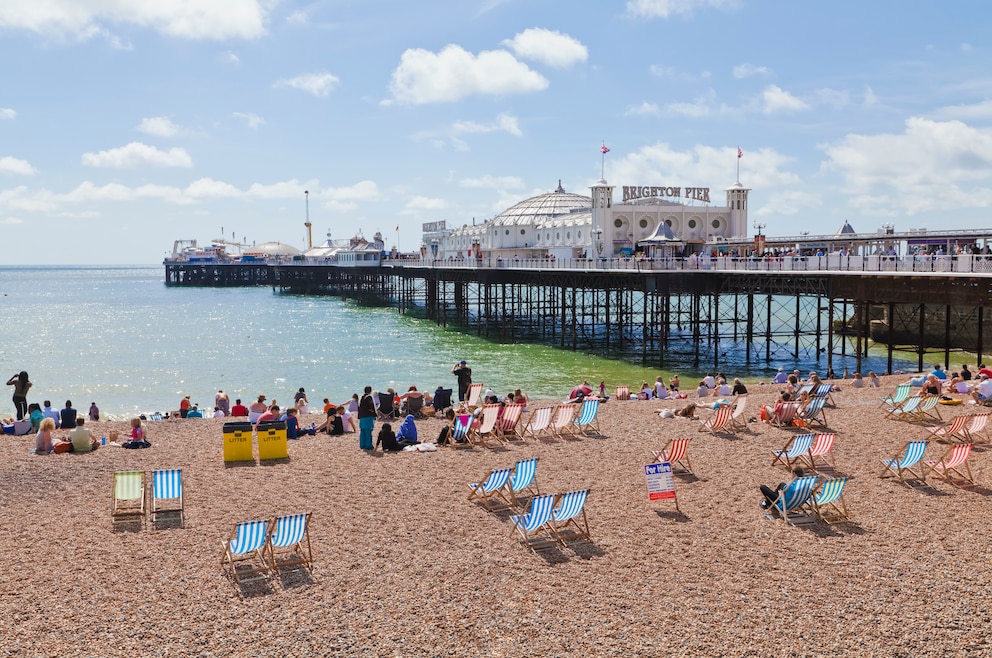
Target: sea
x,y
117,336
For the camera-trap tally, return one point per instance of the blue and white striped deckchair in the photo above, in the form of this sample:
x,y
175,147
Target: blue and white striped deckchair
x,y
814,413
902,467
587,419
533,526
523,479
793,501
460,435
289,542
823,391
244,553
793,451
908,406
129,497
167,485
491,492
805,388
568,521
828,501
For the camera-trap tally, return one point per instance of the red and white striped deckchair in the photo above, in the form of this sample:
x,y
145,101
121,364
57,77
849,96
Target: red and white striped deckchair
x,y
978,425
786,414
676,453
561,424
956,432
474,393
506,424
487,428
538,422
951,461
823,445
720,422
623,393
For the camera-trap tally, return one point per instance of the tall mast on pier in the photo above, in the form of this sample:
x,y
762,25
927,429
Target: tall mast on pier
x,y
309,226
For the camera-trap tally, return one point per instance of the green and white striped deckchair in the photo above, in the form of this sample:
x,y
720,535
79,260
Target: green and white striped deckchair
x,y
828,501
129,497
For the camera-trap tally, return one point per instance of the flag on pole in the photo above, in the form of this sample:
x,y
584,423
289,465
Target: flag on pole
x,y
740,153
397,228
604,149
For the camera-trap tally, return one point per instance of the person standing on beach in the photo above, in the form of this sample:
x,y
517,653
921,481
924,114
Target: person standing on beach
x,y
223,402
20,398
184,407
94,412
366,419
464,375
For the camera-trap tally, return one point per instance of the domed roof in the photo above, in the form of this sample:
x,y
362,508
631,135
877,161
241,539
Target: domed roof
x,y
273,249
554,203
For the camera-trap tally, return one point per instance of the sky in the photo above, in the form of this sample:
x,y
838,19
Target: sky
x,y
128,124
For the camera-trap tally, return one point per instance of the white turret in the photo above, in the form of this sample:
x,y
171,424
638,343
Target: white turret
x,y
737,203
602,229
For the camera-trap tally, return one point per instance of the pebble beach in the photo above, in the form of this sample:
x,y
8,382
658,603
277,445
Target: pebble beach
x,y
405,565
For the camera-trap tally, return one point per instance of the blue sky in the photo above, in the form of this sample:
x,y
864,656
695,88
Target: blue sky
x,y
127,124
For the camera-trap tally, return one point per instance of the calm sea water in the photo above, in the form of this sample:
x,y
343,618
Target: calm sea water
x,y
119,337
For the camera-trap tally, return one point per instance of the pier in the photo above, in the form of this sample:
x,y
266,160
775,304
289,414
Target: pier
x,y
828,309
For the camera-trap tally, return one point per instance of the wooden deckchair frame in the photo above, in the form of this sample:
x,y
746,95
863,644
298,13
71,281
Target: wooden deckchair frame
x,y
250,564
955,432
897,468
463,421
568,520
561,421
292,551
794,451
506,424
129,497
492,490
676,453
538,422
164,484
533,527
828,501
952,459
720,422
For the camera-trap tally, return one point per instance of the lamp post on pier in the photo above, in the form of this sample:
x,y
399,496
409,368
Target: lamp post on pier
x,y
759,239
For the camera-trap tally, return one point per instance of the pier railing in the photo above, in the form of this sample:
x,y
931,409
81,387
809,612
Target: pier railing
x,y
967,264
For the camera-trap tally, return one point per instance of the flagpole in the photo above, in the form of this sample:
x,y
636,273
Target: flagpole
x,y
738,164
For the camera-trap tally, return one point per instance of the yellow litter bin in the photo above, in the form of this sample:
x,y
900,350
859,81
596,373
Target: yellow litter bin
x,y
272,440
237,442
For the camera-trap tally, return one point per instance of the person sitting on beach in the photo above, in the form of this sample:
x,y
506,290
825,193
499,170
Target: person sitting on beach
x,y
982,390
67,416
660,390
408,431
43,441
957,384
218,412
794,384
239,410
702,390
412,394
82,438
722,389
781,377
938,372
444,436
300,398
932,385
271,414
35,415
194,412
138,438
739,388
771,495
674,383
874,382
387,440
965,373
51,413
256,409
858,381
292,423
768,414
709,381
94,412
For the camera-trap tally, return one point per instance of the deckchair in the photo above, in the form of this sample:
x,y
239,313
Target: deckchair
x,y
533,526
828,501
805,388
387,410
623,392
823,391
442,400
955,457
908,406
902,467
487,428
793,451
823,446
956,432
676,453
167,485
794,500
538,422
787,412
928,409
900,396
814,412
490,492
561,424
244,553
474,393
506,424
461,435
129,497
720,422
415,407
587,419
979,423
523,480
568,521
738,419
289,542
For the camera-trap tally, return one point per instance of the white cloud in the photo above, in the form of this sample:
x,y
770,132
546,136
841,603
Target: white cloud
x,y
348,197
980,111
137,154
703,106
230,57
425,203
775,99
158,126
749,70
253,120
22,199
668,8
504,123
208,188
11,221
644,109
454,73
871,99
88,192
930,166
217,19
7,113
672,73
548,46
491,182
833,97
291,189
318,84
298,17
9,165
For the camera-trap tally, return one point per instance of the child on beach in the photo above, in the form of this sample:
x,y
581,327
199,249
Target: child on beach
x,y
138,439
873,381
292,424
43,441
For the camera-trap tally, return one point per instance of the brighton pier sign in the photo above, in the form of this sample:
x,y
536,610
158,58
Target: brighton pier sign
x,y
631,192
